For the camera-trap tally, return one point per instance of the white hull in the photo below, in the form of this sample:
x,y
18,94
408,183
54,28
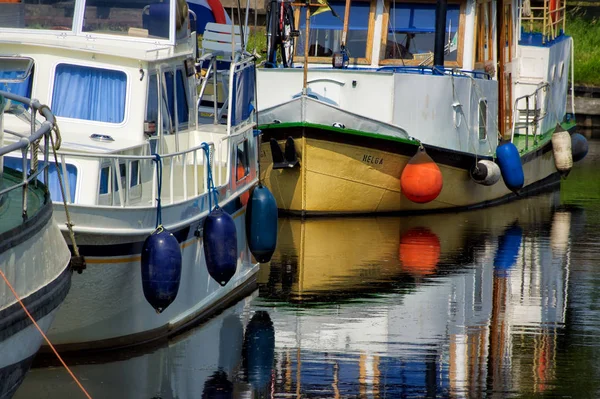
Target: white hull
x,y
215,349
107,307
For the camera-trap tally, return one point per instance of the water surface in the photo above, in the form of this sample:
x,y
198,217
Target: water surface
x,y
501,302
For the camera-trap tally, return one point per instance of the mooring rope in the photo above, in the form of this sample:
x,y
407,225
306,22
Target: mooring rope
x,y
56,147
44,335
210,183
158,161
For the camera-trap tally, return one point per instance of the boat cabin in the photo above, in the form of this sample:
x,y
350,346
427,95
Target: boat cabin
x,y
123,78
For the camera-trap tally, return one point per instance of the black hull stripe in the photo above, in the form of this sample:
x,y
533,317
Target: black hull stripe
x,y
12,376
443,156
40,303
31,226
135,248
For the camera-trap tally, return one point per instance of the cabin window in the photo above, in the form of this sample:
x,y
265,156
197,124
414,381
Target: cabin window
x,y
483,111
171,100
22,88
326,31
411,33
177,80
70,182
38,14
243,165
135,173
87,93
104,180
152,105
484,46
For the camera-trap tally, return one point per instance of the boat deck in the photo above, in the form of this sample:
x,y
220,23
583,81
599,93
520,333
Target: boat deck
x,y
525,144
11,203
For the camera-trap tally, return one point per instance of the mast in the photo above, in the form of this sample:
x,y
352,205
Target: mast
x,y
440,33
346,22
306,44
500,46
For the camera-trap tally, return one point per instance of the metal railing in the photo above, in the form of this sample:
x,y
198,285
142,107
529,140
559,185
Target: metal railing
x,y
532,116
24,144
551,16
123,194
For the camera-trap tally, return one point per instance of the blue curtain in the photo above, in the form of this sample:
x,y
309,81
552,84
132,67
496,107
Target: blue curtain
x,y
21,89
89,93
53,185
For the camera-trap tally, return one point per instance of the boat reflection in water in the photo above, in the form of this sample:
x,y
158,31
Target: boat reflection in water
x,y
224,358
464,304
467,304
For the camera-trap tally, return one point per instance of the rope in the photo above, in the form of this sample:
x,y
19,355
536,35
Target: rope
x,y
44,335
158,161
209,180
56,147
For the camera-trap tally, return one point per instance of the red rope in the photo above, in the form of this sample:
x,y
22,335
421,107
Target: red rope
x,y
44,335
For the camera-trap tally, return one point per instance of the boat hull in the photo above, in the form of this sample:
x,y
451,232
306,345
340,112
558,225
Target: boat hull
x,y
107,308
342,173
35,260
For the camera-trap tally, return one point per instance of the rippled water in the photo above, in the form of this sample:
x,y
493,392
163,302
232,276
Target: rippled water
x,y
501,302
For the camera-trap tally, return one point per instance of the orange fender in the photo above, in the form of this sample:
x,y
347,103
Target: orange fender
x,y
421,180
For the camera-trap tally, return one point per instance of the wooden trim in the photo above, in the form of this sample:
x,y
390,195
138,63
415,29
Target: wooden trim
x,y
461,34
353,60
371,31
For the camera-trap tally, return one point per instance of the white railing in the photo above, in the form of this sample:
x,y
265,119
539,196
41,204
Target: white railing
x,y
181,185
25,145
533,115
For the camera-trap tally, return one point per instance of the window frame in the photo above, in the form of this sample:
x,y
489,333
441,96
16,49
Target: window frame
x,y
486,120
479,63
460,38
299,57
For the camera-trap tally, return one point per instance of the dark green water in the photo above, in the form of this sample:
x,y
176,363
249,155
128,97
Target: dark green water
x,y
502,302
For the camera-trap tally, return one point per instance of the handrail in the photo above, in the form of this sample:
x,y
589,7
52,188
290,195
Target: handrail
x,y
189,156
551,19
536,118
25,143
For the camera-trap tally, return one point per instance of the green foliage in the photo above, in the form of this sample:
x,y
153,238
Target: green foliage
x,y
586,36
257,39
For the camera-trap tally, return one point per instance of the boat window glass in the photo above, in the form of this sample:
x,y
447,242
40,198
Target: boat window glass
x,y
53,182
483,108
148,18
177,79
135,173
20,88
94,94
411,32
243,165
484,44
326,30
152,105
37,14
104,176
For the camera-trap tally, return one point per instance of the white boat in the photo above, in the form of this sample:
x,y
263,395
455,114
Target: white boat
x,y
34,259
130,165
380,82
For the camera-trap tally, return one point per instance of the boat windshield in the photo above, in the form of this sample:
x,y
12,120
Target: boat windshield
x,y
137,18
142,18
37,14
